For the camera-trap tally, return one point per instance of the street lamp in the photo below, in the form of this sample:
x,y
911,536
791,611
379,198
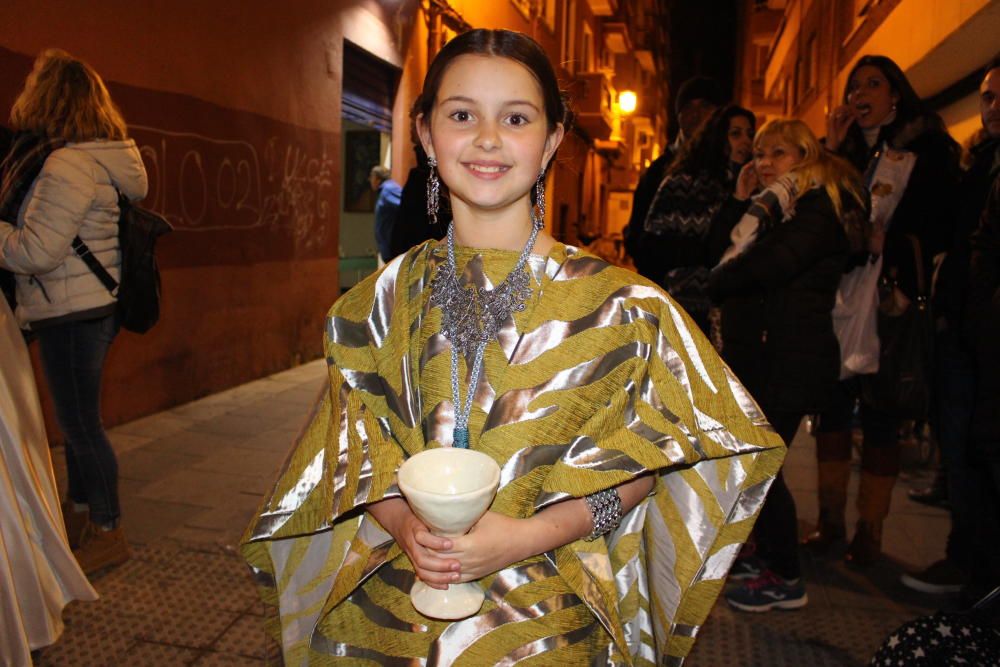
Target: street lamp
x,y
627,101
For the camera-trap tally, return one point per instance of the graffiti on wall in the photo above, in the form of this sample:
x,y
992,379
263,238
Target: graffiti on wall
x,y
203,184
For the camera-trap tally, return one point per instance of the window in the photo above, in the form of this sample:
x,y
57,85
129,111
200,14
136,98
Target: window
x,y
812,64
587,49
523,6
760,52
566,47
549,14
607,58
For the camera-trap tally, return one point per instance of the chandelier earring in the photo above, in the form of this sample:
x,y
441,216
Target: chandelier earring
x,y
538,211
433,191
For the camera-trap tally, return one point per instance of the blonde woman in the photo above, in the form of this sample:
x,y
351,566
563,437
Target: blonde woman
x,y
785,250
68,123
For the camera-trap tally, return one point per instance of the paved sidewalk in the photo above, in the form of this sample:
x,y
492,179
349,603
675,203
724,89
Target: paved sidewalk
x,y
192,477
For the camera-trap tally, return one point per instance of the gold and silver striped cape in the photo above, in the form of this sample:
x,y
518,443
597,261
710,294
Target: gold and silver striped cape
x,y
601,378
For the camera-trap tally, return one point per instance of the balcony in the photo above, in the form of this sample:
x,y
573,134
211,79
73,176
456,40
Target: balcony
x,y
616,38
595,107
603,7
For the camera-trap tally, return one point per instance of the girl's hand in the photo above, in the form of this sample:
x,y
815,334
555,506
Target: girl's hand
x,y
495,542
423,548
746,182
837,124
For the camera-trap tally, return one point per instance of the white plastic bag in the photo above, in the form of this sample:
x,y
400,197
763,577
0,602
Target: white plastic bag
x,y
855,320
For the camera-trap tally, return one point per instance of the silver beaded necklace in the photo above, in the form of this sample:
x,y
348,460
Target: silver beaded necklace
x,y
472,317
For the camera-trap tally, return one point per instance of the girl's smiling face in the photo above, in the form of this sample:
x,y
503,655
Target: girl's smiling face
x,y
773,158
488,132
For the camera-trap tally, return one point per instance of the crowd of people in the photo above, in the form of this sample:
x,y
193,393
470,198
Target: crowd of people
x,y
767,250
638,434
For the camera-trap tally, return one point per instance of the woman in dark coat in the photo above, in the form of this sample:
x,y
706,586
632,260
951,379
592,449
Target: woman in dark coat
x,y
777,280
695,186
882,110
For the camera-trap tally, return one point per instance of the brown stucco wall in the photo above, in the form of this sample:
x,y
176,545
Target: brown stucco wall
x,y
236,106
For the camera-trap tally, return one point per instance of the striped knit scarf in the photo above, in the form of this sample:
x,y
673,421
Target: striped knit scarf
x,y
776,203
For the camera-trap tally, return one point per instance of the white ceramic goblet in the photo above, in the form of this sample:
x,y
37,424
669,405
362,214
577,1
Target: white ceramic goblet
x,y
448,489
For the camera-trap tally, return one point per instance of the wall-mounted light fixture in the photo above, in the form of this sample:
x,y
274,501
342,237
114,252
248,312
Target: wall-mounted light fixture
x,y
627,101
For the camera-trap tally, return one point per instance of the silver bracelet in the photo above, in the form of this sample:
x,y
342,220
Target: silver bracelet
x,y
606,510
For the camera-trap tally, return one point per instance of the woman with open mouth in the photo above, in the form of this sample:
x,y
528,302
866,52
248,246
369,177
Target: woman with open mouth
x,y
881,112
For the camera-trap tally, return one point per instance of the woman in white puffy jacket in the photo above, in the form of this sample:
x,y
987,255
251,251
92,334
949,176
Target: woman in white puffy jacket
x,y
58,297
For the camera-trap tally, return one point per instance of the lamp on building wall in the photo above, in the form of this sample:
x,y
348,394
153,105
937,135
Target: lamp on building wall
x,y
627,101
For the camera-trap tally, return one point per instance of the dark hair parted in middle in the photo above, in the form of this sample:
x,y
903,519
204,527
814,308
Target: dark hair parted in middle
x,y
908,105
708,150
505,44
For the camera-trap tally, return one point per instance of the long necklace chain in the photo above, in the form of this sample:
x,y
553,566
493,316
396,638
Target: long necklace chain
x,y
472,317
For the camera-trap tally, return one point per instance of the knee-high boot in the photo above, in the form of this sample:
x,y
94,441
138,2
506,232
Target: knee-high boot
x,y
879,469
833,470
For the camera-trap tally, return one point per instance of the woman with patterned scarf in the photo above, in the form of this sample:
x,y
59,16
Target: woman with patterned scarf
x,y
586,384
782,255
696,184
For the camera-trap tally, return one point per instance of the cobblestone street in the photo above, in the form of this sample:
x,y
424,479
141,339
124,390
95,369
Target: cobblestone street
x,y
192,478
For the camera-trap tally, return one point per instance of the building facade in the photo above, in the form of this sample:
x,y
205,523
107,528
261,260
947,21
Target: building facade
x,y
258,122
795,55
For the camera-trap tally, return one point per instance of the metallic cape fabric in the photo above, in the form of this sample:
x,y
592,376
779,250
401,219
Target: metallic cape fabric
x,y
39,575
600,379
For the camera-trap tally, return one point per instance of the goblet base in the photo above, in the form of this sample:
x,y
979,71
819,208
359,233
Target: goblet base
x,y
458,602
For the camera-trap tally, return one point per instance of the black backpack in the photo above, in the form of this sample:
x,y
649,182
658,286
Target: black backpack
x,y
139,293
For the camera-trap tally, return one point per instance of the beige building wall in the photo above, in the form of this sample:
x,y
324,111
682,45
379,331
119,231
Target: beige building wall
x,y
804,50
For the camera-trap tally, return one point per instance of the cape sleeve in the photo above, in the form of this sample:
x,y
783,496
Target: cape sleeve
x,y
681,415
312,543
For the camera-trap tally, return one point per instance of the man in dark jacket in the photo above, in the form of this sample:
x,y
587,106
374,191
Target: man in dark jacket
x,y
697,98
388,192
955,368
983,315
983,326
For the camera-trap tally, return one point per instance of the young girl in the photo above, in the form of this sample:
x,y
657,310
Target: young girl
x,y
632,460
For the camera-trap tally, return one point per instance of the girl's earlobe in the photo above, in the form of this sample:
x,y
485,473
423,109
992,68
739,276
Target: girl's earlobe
x,y
423,133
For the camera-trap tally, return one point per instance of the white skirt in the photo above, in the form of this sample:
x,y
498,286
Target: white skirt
x,y
38,573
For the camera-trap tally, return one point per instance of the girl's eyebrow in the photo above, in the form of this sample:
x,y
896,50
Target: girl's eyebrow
x,y
468,100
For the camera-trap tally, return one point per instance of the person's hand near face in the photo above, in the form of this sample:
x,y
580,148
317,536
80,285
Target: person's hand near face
x,y
837,124
870,101
747,182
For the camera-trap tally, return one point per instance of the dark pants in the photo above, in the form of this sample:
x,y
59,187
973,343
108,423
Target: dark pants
x,y
73,358
777,526
955,392
986,538
880,453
